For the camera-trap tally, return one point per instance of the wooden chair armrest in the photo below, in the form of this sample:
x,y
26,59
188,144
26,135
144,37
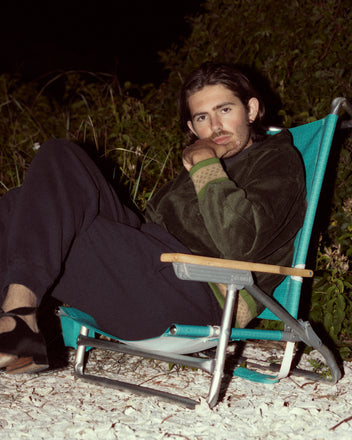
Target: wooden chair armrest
x,y
234,264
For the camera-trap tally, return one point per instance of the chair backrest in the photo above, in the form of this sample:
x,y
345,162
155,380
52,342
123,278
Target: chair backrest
x,y
314,141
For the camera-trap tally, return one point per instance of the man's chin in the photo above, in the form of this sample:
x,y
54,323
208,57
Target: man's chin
x,y
232,150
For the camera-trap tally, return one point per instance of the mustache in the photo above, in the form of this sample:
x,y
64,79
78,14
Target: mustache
x,y
219,133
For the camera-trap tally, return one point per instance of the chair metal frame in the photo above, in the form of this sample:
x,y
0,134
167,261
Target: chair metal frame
x,y
79,329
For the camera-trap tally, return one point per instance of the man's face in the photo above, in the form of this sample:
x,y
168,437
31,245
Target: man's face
x,y
219,115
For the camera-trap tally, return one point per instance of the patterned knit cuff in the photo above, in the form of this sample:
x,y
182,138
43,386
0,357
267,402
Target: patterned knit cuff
x,y
206,171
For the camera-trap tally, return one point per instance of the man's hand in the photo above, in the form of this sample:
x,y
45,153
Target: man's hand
x,y
202,149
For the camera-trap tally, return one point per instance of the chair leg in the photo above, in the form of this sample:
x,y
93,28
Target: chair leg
x,y
301,329
80,353
224,337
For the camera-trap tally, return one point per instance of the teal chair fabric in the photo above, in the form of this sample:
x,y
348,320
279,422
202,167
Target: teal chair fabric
x,y
313,140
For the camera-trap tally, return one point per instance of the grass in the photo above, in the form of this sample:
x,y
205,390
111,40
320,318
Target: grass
x,y
95,112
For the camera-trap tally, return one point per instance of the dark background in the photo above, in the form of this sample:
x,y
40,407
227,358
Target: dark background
x,y
121,37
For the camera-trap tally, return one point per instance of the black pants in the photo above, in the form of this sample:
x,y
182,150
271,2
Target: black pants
x,y
66,231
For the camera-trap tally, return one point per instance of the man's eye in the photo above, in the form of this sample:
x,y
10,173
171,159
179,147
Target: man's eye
x,y
200,118
225,110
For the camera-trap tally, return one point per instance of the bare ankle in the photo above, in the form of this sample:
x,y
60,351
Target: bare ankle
x,y
20,296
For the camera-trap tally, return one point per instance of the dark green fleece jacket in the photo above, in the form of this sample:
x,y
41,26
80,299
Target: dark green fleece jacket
x,y
248,207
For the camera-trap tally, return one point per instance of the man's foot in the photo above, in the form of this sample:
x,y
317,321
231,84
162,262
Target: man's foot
x,y
7,324
22,347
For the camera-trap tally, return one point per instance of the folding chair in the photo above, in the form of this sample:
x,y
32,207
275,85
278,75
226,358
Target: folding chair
x,y
313,141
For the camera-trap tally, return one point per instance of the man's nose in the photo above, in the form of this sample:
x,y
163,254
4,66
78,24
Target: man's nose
x,y
215,123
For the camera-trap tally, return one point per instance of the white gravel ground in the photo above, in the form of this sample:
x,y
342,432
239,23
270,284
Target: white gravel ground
x,y
56,405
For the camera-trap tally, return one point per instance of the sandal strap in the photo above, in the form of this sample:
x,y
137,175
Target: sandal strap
x,y
22,311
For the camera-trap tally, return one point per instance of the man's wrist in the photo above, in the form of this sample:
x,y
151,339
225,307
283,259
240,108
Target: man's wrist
x,y
205,172
204,163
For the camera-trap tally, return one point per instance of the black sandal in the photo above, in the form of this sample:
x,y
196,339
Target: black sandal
x,y
28,346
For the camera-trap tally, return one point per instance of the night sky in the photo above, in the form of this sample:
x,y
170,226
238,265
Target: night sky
x,y
122,37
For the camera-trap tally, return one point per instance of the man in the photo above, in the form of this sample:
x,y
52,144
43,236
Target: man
x,y
240,195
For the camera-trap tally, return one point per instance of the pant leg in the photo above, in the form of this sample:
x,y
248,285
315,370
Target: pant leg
x,y
63,192
68,231
114,273
7,204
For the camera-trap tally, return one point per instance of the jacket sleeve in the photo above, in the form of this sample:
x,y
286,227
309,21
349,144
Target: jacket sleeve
x,y
252,221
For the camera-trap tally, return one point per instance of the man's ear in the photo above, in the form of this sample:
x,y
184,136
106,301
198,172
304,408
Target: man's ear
x,y
253,108
190,126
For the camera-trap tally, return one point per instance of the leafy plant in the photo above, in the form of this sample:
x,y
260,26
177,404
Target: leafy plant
x,y
320,368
